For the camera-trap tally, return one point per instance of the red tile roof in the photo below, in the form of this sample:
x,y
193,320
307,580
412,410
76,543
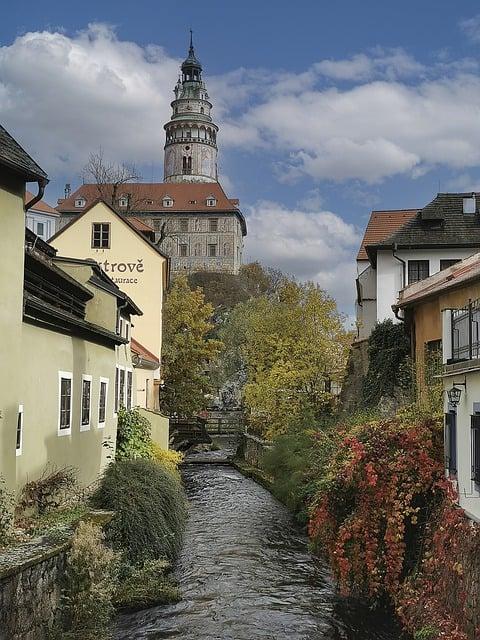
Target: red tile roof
x,y
381,225
41,205
454,276
140,225
186,197
141,351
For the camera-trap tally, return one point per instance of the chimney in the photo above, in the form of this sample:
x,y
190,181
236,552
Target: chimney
x,y
68,190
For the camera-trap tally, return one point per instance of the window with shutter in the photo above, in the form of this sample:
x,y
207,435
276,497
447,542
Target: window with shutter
x,y
451,441
475,422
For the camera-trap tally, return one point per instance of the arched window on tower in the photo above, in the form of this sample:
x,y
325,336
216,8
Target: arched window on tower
x,y
187,165
202,110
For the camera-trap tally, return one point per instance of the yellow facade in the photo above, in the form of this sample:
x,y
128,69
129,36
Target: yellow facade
x,y
425,318
12,219
130,260
48,353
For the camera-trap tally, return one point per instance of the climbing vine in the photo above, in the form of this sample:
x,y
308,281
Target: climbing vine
x,y
373,502
388,348
443,593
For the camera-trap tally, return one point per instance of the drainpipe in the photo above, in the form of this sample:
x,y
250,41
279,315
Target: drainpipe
x,y
41,190
403,263
395,309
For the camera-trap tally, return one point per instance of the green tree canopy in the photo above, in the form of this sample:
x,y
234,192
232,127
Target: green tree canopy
x,y
293,346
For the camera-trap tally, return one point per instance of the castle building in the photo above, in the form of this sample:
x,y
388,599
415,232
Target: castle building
x,y
188,216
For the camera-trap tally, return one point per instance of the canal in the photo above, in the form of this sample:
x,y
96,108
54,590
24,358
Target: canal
x,y
246,574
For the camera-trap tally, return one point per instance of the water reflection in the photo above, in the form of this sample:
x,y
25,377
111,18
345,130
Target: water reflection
x,y
246,574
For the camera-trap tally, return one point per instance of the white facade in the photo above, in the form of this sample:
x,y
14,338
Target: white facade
x,y
392,272
41,223
460,445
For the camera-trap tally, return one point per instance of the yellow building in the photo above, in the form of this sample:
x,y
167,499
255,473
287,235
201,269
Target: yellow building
x,y
135,264
65,353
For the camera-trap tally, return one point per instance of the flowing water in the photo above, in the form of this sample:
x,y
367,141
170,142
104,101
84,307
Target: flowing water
x,y
246,574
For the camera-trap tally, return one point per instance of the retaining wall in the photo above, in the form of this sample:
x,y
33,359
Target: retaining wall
x,y
30,588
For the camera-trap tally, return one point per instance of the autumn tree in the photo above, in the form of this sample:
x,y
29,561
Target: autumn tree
x,y
294,347
187,350
112,179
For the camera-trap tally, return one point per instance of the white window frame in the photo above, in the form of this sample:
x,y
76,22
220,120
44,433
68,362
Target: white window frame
x,y
211,202
106,381
116,395
123,201
127,330
122,368
167,202
128,400
18,450
80,202
68,376
86,427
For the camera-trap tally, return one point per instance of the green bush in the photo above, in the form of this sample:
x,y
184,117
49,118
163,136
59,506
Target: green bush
x,y
150,509
6,513
90,581
146,586
287,462
133,435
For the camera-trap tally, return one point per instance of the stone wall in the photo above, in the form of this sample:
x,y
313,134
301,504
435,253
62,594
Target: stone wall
x,y
357,367
254,449
30,588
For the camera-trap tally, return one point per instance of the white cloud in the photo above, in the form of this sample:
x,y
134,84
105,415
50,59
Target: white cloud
x,y
471,27
65,95
308,243
381,63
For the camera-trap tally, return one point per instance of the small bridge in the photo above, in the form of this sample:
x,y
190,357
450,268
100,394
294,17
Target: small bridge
x,y
212,429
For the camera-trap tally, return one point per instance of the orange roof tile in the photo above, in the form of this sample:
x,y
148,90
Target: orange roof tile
x,y
41,205
381,225
139,350
140,225
148,196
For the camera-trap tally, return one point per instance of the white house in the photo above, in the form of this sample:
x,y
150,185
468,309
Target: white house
x,y
444,232
41,218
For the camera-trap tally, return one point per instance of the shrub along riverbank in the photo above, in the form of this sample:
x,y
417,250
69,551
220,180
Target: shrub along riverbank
x,y
373,495
126,565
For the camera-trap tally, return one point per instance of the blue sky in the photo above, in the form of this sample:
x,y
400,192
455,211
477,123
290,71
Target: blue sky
x,y
326,109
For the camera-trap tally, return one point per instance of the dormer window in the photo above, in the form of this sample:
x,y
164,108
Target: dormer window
x,y
211,201
123,201
469,204
80,202
167,201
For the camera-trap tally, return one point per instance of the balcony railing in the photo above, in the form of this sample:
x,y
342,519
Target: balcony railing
x,y
466,332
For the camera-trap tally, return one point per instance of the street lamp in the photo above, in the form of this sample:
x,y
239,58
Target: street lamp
x,y
454,394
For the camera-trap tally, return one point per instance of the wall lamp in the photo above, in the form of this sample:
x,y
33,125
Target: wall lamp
x,y
454,394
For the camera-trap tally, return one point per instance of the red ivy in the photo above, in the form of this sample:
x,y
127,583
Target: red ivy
x,y
380,477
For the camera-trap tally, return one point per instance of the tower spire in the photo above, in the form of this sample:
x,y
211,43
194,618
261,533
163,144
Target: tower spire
x,y
191,51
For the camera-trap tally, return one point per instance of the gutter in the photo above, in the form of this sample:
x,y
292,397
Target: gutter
x,y
396,309
41,190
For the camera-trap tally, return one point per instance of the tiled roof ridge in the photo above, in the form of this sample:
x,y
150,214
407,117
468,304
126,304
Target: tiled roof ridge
x,y
14,156
381,224
442,280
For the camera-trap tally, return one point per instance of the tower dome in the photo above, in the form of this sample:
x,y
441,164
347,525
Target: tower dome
x,y
191,135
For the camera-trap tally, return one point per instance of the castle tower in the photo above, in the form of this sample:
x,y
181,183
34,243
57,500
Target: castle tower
x,y
191,135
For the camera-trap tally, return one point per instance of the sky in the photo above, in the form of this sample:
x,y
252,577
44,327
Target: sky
x,y
326,110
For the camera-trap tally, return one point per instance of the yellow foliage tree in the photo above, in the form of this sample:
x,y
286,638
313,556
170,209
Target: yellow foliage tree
x,y
295,351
